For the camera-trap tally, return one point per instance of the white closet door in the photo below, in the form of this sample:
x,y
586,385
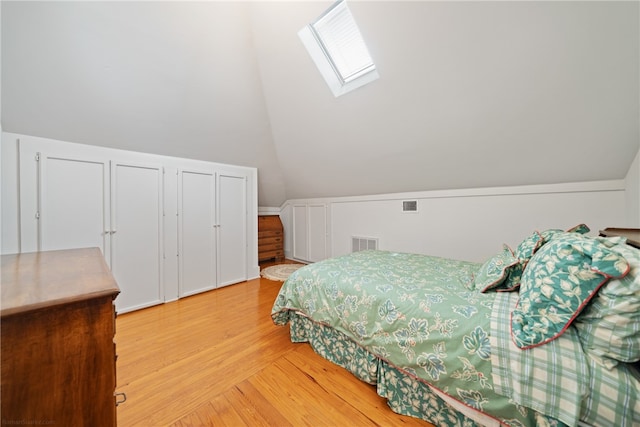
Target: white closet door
x,y
317,232
197,242
74,200
232,230
300,234
136,227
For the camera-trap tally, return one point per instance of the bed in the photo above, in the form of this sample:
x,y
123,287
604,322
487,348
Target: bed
x,y
544,334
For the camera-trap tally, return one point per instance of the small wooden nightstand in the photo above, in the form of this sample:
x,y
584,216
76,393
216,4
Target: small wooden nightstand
x,y
270,238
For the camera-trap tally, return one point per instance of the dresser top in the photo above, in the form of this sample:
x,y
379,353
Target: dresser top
x,y
632,234
31,281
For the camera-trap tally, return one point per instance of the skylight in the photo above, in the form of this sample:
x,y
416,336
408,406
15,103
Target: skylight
x,y
338,49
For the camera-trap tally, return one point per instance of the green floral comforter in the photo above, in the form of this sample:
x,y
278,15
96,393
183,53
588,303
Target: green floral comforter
x,y
415,312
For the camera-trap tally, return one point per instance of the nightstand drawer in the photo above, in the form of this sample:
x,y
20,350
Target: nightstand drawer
x,y
269,247
269,234
275,240
277,254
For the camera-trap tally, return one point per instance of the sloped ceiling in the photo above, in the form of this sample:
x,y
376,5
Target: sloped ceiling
x,y
471,94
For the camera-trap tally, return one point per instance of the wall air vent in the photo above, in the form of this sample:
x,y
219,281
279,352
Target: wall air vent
x,y
363,244
409,206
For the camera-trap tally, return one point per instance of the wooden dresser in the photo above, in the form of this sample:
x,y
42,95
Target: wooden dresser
x,y
58,324
270,238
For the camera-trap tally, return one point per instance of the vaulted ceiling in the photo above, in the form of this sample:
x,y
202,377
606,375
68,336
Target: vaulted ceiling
x,y
470,94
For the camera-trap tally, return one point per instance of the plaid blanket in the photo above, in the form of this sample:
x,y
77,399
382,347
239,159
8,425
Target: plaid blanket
x,y
558,379
615,396
552,379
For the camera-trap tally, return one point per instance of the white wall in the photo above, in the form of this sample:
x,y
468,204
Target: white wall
x,y
10,241
166,77
1,165
502,82
632,184
471,94
19,171
468,224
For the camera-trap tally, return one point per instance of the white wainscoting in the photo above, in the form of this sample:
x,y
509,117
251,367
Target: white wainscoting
x,y
469,224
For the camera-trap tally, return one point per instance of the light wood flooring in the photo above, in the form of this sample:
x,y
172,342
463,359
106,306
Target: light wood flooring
x,y
217,359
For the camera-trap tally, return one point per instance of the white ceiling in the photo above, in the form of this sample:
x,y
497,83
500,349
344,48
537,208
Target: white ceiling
x,y
471,94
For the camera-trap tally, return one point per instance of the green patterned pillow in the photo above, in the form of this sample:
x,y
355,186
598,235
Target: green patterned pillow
x,y
495,270
558,282
580,229
528,247
514,277
524,252
547,235
609,327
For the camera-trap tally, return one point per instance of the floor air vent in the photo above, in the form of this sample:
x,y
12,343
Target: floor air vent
x,y
363,243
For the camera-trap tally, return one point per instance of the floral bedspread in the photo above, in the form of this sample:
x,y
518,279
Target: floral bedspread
x,y
416,312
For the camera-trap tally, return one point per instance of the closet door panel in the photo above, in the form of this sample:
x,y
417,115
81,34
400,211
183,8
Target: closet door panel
x,y
136,229
232,230
317,232
73,204
300,235
197,232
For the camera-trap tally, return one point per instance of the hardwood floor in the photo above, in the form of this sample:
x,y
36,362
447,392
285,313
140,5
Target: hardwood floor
x,y
216,359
